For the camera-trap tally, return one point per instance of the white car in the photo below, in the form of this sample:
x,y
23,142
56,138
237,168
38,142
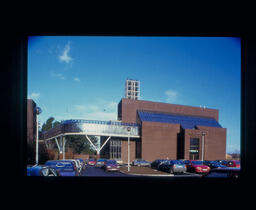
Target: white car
x,y
78,165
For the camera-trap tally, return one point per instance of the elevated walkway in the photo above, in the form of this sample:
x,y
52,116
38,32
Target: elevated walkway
x,y
90,128
93,127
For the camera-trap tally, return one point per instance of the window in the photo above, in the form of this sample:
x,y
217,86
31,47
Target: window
x,y
115,149
194,149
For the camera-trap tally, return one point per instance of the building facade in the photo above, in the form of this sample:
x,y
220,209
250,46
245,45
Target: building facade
x,y
172,131
31,121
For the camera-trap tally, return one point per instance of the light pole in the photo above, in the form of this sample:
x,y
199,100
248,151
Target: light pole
x,y
38,111
129,129
203,139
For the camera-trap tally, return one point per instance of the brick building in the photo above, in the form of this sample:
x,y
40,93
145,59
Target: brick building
x,y
31,121
172,131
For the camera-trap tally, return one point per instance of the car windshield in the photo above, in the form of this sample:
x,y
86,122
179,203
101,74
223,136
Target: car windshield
x,y
197,162
63,164
111,162
180,162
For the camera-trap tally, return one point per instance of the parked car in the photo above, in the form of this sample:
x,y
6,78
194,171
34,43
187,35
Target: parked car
x,y
213,164
119,161
100,162
63,167
140,162
155,164
41,171
223,162
227,172
111,165
91,162
173,166
234,163
82,163
197,166
77,165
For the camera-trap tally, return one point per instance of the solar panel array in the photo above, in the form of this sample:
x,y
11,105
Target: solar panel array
x,y
187,122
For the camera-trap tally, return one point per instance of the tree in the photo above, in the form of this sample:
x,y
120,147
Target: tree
x,y
81,145
43,154
49,124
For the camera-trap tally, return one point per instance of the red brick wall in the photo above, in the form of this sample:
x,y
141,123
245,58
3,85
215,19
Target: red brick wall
x,y
129,107
31,121
159,140
214,143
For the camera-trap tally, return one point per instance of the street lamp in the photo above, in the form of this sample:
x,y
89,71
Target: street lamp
x,y
203,139
38,111
129,129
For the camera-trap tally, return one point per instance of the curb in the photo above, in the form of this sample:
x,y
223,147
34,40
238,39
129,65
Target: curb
x,y
163,175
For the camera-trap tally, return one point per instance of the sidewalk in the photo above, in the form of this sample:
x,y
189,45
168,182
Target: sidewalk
x,y
143,171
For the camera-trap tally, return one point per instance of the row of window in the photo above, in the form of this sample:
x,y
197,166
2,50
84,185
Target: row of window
x,y
115,149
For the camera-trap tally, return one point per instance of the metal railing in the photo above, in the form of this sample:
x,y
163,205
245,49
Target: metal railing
x,y
94,127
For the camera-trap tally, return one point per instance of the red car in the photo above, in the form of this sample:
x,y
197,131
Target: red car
x,y
234,163
197,166
111,165
91,162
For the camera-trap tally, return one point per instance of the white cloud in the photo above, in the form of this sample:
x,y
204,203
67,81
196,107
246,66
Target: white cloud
x,y
34,96
101,111
56,75
64,57
171,96
76,79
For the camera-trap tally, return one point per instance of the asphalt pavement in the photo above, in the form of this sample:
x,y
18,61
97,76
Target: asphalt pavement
x,y
97,171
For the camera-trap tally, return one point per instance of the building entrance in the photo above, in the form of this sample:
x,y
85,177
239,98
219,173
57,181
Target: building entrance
x,y
194,149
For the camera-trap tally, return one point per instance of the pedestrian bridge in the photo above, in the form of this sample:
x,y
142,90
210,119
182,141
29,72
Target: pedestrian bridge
x,y
91,128
94,127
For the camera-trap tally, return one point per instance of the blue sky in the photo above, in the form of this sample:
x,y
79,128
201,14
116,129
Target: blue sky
x,y
83,77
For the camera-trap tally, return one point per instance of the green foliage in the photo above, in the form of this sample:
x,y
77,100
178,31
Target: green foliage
x,y
81,145
43,154
49,124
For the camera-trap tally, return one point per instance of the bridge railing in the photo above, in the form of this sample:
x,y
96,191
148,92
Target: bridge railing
x,y
95,127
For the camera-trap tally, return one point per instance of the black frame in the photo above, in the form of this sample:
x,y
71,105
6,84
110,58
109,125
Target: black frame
x,y
15,85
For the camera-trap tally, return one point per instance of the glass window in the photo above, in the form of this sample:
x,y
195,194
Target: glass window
x,y
194,149
115,149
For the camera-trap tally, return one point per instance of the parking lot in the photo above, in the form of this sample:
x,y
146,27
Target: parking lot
x,y
110,168
135,171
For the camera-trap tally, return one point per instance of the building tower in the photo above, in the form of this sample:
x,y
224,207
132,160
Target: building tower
x,y
132,89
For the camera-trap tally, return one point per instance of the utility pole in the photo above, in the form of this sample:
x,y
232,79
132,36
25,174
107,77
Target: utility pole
x,y
128,129
38,111
203,139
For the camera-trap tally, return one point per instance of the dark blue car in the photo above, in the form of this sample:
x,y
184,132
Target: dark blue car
x,y
41,171
63,167
214,164
173,166
155,164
